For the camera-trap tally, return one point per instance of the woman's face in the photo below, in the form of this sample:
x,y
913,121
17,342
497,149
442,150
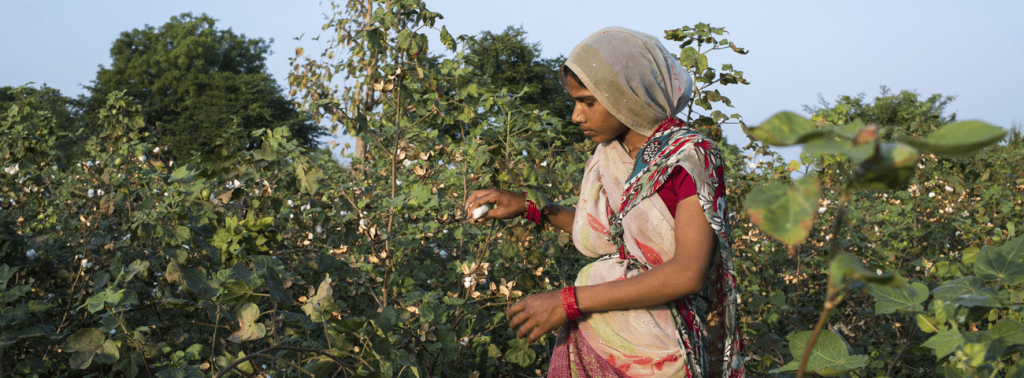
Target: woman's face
x,y
596,122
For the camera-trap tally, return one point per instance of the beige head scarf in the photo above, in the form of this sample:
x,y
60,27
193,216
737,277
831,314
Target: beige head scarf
x,y
632,75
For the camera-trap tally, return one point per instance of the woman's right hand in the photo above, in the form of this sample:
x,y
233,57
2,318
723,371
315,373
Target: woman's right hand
x,y
506,204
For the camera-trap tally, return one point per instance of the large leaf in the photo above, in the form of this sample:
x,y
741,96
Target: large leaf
x,y
945,342
889,299
959,138
85,344
786,129
785,212
846,266
1010,331
964,286
1004,263
829,356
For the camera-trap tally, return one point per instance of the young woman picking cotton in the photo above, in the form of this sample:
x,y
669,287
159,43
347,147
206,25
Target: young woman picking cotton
x,y
660,299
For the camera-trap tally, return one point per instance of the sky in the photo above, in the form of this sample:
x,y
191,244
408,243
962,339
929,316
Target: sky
x,y
799,51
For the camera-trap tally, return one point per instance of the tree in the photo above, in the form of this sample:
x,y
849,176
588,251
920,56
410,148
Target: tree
x,y
508,61
49,113
200,87
906,108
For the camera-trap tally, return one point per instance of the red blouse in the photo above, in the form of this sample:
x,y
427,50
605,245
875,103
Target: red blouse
x,y
677,187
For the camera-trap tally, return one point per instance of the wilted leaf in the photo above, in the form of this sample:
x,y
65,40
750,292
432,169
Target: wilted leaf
x,y
249,329
84,344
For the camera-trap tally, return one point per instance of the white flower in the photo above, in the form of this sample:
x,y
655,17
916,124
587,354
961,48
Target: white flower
x,y
467,282
91,193
931,194
949,188
31,254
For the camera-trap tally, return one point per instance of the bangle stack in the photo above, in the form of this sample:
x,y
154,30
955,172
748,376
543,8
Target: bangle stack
x,y
572,311
532,211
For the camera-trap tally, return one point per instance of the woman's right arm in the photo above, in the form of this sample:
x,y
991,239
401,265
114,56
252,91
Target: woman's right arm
x,y
510,205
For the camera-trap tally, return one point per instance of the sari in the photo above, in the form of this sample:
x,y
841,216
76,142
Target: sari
x,y
621,221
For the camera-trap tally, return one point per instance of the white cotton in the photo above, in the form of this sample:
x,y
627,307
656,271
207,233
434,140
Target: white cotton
x,y
821,210
237,184
467,282
949,188
113,331
751,165
31,254
89,163
86,263
544,163
100,192
443,254
142,159
931,194
399,182
126,237
879,272
186,247
480,211
319,229
171,164
166,194
290,203
91,193
156,150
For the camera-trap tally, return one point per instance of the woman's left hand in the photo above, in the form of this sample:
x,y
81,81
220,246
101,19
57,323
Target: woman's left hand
x,y
537,314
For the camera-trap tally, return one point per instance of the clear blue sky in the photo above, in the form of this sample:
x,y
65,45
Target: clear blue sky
x,y
798,49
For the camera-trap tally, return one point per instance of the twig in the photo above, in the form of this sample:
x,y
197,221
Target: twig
x,y
906,342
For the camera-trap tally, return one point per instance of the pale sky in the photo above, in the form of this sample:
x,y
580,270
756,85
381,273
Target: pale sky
x,y
798,49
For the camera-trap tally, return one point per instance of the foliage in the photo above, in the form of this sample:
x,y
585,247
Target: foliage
x,y
274,259
869,157
507,60
199,87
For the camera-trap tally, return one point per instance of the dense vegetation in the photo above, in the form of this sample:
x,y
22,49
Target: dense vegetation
x,y
271,258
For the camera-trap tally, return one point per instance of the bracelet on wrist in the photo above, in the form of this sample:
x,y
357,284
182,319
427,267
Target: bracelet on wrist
x,y
532,211
572,310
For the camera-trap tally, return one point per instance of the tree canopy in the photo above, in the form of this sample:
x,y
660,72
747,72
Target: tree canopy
x,y
200,86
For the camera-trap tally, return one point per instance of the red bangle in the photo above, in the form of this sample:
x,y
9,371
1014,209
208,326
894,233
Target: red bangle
x,y
572,311
532,211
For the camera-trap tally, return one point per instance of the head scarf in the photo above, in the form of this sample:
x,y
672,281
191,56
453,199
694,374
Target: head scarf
x,y
632,75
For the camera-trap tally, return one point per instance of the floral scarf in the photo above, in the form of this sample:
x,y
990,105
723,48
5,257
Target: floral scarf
x,y
621,220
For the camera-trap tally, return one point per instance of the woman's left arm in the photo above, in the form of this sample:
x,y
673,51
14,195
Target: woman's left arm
x,y
676,278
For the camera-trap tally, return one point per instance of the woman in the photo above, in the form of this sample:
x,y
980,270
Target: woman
x,y
660,300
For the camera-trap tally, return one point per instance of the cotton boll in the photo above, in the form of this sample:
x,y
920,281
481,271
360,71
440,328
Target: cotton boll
x,y
931,194
86,263
949,188
91,193
100,192
480,211
467,282
31,254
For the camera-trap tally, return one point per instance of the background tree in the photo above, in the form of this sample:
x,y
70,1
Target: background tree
x,y
507,60
53,114
200,87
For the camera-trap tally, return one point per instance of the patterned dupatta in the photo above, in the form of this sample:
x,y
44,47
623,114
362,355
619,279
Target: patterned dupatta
x,y
621,220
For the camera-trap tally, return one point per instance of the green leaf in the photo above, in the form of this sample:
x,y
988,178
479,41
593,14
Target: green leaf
x,y
926,323
276,286
249,329
108,354
945,342
959,138
1010,331
84,344
786,129
785,212
889,299
322,303
969,285
447,40
889,167
1004,263
6,273
829,356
